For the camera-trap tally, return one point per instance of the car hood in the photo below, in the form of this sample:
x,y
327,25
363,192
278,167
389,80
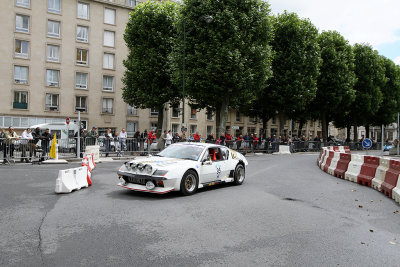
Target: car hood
x,y
162,162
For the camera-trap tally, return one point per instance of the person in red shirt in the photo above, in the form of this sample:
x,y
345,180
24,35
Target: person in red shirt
x,y
151,137
239,142
255,140
196,137
228,139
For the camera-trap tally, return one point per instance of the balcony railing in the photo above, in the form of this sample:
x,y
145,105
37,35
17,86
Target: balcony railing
x,y
19,105
108,110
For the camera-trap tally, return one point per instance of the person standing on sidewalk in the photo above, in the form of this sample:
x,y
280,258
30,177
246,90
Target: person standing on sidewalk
x,y
123,135
11,137
26,143
92,136
168,141
108,136
46,138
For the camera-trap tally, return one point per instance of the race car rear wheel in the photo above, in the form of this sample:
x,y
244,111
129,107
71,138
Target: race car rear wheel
x,y
189,183
239,174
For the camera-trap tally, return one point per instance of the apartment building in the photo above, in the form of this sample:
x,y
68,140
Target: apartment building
x,y
61,57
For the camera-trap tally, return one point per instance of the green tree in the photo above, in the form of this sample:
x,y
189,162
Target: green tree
x,y
370,73
335,92
150,35
387,112
227,56
295,66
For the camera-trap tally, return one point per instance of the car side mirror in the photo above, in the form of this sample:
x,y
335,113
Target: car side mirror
x,y
207,162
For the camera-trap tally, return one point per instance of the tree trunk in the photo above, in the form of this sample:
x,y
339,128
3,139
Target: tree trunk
x,y
264,125
160,121
355,137
324,127
301,124
366,131
348,129
281,123
221,116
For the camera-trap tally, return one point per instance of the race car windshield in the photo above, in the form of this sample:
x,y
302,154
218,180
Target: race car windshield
x,y
182,152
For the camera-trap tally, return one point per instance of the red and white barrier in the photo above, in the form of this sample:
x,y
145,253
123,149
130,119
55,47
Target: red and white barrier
x,y
368,170
328,161
380,173
391,178
334,161
342,165
354,168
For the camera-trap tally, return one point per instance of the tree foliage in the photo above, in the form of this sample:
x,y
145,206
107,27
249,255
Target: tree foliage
x,y
370,73
335,92
150,36
295,66
227,59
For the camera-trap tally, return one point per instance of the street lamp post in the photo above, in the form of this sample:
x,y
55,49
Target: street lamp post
x,y
207,19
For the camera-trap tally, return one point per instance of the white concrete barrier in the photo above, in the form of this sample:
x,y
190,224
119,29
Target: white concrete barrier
x,y
380,173
396,192
71,179
354,168
323,162
324,151
282,150
96,152
333,165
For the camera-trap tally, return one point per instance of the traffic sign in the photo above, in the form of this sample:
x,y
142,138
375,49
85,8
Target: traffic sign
x,y
67,121
367,143
235,127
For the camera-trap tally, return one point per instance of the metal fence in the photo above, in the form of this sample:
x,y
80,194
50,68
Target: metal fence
x,y
13,150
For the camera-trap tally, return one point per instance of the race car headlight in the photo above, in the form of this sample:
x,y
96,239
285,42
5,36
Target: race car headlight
x,y
133,165
148,169
140,167
160,173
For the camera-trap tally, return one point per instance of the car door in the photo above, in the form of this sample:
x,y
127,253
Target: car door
x,y
212,168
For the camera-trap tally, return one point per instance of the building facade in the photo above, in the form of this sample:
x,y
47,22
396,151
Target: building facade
x,y
61,57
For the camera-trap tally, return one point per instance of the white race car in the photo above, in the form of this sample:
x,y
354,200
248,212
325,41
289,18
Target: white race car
x,y
183,167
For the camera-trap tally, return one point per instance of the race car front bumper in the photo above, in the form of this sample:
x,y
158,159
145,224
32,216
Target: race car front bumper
x,y
142,188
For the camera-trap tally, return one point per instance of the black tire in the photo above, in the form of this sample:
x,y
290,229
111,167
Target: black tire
x,y
239,175
189,183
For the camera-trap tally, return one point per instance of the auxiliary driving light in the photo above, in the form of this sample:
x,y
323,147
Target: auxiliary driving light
x,y
148,169
150,185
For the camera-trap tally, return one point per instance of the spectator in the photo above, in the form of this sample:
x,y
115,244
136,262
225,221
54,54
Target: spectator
x,y
91,136
255,141
11,137
176,138
143,137
26,143
108,137
168,141
161,141
210,138
196,137
136,138
183,137
228,139
123,135
46,138
191,138
3,143
239,142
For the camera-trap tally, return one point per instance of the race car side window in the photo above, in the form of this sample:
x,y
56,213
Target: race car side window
x,y
206,156
225,154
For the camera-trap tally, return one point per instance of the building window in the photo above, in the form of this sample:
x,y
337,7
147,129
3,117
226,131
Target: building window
x,y
251,119
238,116
21,48
83,10
21,74
107,105
109,38
82,34
131,128
54,6
153,126
23,3
193,113
21,23
108,61
20,100
81,80
209,129
193,128
52,77
274,120
131,3
53,28
209,114
52,102
81,103
153,112
132,110
53,53
175,112
109,16
108,83
82,56
175,128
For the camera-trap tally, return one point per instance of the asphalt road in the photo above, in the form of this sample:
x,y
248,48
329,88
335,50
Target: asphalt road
x,y
287,213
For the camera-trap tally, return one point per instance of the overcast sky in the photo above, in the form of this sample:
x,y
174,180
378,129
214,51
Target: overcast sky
x,y
376,22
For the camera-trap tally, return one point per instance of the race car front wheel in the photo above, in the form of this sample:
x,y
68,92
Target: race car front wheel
x,y
239,174
189,183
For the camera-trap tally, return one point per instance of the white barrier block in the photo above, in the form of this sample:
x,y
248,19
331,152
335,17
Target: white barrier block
x,y
380,173
81,176
283,150
354,168
96,152
66,181
333,165
324,155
